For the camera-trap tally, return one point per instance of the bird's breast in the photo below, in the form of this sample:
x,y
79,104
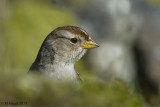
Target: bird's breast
x,y
62,72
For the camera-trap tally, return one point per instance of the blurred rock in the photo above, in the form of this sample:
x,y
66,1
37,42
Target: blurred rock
x,y
147,54
113,60
119,26
115,26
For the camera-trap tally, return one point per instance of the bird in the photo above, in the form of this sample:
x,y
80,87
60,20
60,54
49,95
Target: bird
x,y
60,50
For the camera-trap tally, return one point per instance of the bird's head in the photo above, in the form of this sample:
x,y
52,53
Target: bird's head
x,y
69,43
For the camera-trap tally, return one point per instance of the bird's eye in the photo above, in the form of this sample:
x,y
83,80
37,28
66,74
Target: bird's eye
x,y
74,40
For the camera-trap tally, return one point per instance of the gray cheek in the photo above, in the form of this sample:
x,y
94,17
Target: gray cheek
x,y
62,47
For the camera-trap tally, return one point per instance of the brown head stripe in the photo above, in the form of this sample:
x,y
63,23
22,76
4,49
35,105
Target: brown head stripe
x,y
75,30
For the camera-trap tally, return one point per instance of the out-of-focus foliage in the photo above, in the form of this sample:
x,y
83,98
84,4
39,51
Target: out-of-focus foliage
x,y
80,4
27,24
153,2
38,91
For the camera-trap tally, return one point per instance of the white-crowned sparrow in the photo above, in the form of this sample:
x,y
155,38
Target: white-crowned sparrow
x,y
59,52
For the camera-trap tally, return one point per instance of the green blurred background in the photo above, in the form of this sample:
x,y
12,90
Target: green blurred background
x,y
24,24
27,23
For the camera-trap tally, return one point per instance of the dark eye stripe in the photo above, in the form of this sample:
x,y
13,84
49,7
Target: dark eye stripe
x,y
61,37
73,40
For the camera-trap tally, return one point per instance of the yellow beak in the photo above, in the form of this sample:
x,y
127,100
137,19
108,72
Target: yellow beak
x,y
90,44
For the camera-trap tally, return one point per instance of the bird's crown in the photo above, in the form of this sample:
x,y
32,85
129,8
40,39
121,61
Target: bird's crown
x,y
74,30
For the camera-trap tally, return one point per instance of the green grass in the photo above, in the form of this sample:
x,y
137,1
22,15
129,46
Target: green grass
x,y
40,91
